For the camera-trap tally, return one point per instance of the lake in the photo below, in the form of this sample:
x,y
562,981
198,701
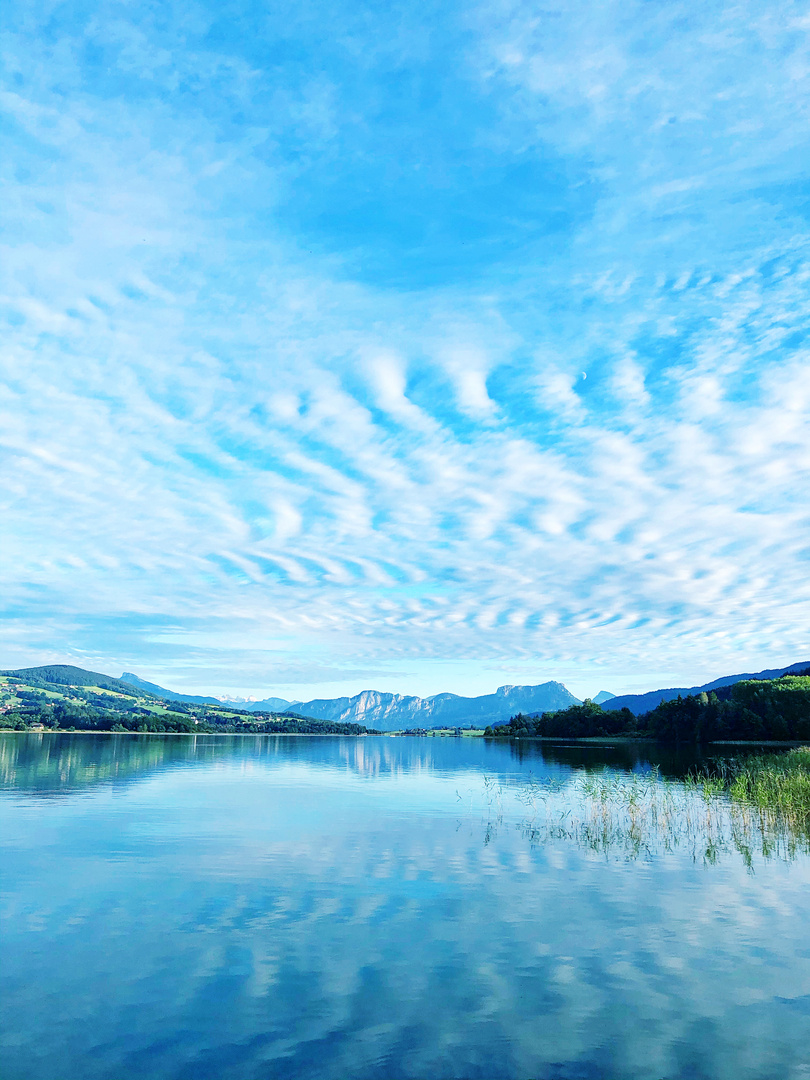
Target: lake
x,y
237,908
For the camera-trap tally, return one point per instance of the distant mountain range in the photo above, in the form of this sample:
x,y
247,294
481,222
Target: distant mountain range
x,y
641,703
397,712
268,704
394,712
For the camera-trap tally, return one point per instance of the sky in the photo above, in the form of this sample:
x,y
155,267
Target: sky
x,y
416,347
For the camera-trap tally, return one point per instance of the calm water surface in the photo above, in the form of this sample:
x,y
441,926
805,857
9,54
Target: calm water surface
x,y
239,908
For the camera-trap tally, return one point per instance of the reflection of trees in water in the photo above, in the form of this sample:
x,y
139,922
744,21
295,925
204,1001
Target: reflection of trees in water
x,y
549,776
675,762
642,815
50,763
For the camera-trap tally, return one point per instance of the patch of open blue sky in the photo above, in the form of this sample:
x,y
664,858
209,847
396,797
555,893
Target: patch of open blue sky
x,y
422,348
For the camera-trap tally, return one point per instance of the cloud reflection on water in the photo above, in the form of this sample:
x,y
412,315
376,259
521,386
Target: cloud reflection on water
x,y
256,913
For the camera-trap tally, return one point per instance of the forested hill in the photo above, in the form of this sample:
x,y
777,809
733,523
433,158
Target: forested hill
x,y
68,675
752,709
63,697
641,703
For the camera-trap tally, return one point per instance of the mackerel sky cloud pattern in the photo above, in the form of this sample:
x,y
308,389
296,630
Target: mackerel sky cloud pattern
x,y
407,347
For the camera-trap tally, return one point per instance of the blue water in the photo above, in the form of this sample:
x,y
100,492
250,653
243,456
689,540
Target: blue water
x,y
240,908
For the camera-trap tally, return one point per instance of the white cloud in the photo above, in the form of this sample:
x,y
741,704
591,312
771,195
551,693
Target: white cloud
x,y
468,367
200,423
557,393
387,372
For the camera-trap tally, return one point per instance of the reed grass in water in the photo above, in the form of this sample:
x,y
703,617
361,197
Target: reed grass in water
x,y
778,783
756,806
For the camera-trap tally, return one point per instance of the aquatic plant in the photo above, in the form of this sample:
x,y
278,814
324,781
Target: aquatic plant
x,y
757,806
775,783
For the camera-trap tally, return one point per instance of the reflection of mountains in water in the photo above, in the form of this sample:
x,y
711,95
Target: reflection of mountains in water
x,y
49,764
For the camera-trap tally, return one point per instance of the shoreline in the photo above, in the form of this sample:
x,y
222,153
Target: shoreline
x,y
588,740
198,734
625,740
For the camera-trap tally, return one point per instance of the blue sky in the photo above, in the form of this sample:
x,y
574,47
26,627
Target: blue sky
x,y
414,347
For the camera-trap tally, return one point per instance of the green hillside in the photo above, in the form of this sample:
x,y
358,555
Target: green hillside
x,y
68,675
61,697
